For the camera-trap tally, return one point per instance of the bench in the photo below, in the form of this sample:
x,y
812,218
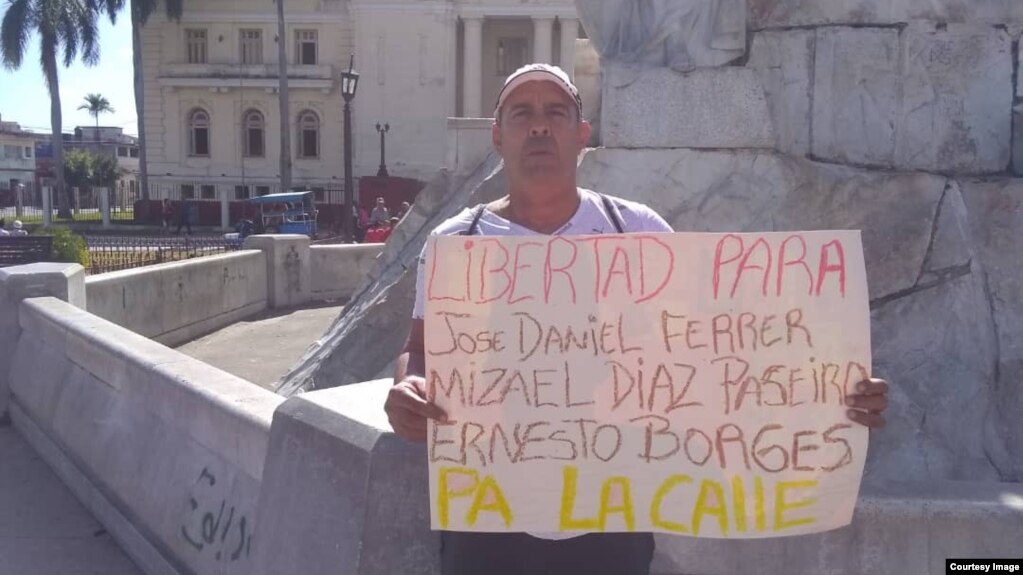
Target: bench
x,y
18,250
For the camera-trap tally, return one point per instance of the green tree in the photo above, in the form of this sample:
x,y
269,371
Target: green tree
x,y
78,167
85,170
141,11
105,171
66,29
96,104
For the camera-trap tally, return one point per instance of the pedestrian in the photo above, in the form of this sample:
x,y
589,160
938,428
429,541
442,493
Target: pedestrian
x,y
380,214
167,211
405,207
539,133
184,217
19,229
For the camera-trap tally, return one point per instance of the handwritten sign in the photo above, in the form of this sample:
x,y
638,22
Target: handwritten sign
x,y
682,383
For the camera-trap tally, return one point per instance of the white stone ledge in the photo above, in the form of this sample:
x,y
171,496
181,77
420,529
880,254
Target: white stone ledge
x,y
226,414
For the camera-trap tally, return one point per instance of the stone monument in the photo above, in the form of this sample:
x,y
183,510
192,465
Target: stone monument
x,y
893,118
680,34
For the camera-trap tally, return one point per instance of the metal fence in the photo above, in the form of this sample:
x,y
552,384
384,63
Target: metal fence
x,y
112,253
85,203
31,203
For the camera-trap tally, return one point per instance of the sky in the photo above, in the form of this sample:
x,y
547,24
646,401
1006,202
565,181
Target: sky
x,y
24,98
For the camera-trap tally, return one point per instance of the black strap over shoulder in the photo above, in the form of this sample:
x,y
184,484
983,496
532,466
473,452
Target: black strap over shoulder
x,y
478,213
609,207
612,212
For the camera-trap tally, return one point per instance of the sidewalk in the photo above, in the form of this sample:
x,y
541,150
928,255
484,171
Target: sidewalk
x,y
44,530
262,349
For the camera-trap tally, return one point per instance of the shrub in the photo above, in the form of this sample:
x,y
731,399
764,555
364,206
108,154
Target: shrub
x,y
67,245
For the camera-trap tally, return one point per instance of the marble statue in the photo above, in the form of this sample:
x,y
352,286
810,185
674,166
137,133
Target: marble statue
x,y
679,34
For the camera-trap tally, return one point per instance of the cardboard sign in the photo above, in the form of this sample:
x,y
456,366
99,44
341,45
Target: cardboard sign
x,y
682,383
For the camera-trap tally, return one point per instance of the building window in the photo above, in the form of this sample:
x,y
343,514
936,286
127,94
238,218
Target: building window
x,y
208,192
262,190
308,135
241,192
305,47
511,55
199,133
122,152
195,40
252,46
187,192
134,152
253,134
28,152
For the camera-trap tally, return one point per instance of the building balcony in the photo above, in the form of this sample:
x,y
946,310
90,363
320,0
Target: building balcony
x,y
224,77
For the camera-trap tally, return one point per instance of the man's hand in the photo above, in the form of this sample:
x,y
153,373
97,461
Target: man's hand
x,y
869,402
407,408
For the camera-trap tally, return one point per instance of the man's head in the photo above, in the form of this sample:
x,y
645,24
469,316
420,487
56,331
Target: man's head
x,y
380,201
538,128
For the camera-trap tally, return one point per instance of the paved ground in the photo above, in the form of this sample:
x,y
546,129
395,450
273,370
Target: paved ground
x,y
262,349
44,530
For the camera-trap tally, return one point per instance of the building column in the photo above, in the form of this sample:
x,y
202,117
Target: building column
x,y
569,33
543,38
473,62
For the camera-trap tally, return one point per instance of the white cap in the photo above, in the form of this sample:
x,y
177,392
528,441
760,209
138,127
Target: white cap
x,y
17,224
537,73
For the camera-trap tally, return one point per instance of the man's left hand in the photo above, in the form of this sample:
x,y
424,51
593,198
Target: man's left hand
x,y
867,405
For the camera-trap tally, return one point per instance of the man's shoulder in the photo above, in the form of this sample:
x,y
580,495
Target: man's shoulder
x,y
636,216
456,224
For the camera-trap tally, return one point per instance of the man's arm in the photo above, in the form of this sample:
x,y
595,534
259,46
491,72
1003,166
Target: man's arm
x,y
406,406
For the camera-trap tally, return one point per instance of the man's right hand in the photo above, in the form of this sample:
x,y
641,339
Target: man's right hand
x,y
407,408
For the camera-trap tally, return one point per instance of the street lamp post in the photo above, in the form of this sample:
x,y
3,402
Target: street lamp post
x,y
349,84
382,172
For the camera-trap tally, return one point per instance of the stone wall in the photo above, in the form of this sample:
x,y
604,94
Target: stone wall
x,y
934,95
180,301
335,272
165,451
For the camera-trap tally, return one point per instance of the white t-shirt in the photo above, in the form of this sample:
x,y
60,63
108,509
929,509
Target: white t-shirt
x,y
590,218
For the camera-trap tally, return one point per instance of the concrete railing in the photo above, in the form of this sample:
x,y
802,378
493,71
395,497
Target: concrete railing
x,y
167,452
337,271
176,302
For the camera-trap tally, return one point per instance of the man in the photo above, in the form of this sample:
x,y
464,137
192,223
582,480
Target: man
x,y
379,215
539,132
405,207
184,217
19,229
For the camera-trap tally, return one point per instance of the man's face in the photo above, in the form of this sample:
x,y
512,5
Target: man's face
x,y
539,133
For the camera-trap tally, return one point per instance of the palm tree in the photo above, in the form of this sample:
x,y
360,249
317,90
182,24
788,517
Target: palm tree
x,y
96,104
141,10
66,28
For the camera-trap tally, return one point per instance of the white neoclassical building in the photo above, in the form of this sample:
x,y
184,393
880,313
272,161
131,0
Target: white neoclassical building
x,y
211,84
